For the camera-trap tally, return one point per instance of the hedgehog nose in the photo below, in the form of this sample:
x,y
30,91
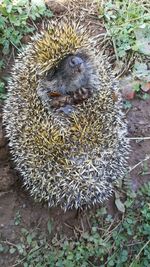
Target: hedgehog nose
x,y
76,61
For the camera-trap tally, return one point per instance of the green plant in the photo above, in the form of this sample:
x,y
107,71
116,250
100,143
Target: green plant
x,y
141,71
127,23
137,87
127,104
17,19
122,243
17,219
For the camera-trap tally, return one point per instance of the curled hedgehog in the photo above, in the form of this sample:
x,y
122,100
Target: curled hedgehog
x,y
67,134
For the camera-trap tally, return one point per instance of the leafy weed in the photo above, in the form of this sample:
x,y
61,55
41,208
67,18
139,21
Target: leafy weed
x,y
121,243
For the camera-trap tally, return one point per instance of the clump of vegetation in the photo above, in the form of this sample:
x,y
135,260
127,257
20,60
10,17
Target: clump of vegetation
x,y
128,25
122,243
17,19
141,74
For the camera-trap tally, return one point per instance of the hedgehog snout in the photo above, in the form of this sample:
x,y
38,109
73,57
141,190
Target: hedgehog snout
x,y
75,61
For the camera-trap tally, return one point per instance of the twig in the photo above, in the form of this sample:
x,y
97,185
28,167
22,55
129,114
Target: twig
x,y
139,163
69,226
91,264
137,256
9,243
127,111
78,230
16,46
133,244
82,225
113,41
108,233
139,138
88,222
11,54
18,263
34,24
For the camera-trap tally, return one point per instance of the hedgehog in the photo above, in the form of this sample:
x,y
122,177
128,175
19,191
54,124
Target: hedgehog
x,y
69,159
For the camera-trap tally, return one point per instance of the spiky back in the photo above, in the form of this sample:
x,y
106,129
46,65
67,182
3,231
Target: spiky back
x,y
73,159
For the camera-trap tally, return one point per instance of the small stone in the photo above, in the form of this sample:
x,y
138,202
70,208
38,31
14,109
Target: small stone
x,y
127,85
128,92
57,6
145,87
26,39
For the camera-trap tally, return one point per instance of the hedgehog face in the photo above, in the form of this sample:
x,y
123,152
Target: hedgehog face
x,y
72,73
69,83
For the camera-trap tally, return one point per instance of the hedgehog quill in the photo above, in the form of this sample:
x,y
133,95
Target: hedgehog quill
x,y
66,131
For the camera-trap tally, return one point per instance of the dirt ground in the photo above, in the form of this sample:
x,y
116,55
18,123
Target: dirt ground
x,y
14,199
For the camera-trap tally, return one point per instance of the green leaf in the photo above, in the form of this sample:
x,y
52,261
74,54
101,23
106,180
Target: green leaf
x,y
129,220
111,263
2,87
143,39
127,104
146,96
1,248
14,20
39,3
49,226
124,255
136,87
24,231
6,49
141,71
20,248
29,239
12,250
2,22
120,206
9,8
2,63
